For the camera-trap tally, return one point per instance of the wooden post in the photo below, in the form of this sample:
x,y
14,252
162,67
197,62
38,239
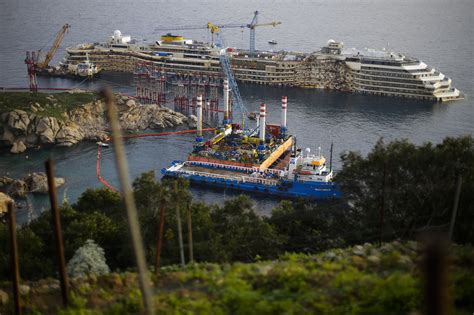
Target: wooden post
x,y
382,209
14,257
159,244
178,221
455,207
56,222
190,232
435,268
133,223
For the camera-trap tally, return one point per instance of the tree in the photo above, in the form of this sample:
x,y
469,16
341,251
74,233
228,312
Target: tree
x,y
419,186
88,259
311,227
101,200
180,196
241,234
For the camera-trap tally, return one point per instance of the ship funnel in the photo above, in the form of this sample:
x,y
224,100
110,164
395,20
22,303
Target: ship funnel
x,y
262,123
226,102
198,146
199,118
284,104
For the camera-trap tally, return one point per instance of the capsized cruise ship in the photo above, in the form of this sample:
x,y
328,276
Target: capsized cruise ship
x,y
384,72
332,67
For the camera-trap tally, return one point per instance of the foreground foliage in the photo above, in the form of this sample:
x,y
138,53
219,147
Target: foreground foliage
x,y
420,184
413,185
88,259
366,279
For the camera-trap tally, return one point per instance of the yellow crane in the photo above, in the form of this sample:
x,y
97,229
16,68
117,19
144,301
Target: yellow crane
x,y
215,28
57,41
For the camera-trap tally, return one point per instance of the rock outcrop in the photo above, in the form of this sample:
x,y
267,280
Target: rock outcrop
x,y
38,182
31,183
20,130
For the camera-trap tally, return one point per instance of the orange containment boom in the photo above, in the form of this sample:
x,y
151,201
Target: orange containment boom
x,y
276,154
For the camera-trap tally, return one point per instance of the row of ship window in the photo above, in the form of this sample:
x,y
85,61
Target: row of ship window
x,y
414,87
387,74
427,70
372,88
366,77
419,90
390,63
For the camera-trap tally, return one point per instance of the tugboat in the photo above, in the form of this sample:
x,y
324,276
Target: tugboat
x,y
272,42
268,162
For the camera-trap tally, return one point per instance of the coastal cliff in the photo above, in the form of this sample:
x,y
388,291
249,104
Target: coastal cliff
x,y
30,120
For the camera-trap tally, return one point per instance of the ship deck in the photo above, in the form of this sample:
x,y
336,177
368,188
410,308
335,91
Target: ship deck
x,y
217,171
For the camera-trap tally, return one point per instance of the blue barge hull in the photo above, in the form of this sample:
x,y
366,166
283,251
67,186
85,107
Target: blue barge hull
x,y
284,189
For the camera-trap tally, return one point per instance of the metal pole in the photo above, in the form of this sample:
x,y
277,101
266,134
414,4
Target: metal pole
x,y
56,222
455,207
14,257
122,168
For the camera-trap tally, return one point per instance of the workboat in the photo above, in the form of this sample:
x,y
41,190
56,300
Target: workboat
x,y
103,144
272,42
84,69
266,162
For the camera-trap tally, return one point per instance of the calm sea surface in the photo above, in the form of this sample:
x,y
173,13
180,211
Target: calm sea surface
x,y
438,32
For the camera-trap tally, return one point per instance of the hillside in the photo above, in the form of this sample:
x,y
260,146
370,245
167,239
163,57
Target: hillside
x,y
368,279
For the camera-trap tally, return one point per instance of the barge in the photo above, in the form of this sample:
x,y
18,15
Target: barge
x,y
264,160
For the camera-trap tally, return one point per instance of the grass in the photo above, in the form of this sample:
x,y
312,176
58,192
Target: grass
x,y
65,102
339,281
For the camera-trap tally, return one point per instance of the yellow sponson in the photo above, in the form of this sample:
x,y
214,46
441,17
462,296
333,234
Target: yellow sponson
x,y
218,138
318,162
172,38
276,154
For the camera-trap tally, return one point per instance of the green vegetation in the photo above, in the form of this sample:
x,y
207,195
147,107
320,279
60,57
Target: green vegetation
x,y
419,194
368,279
64,102
420,184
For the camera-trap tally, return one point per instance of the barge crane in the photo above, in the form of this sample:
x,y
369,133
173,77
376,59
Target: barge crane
x,y
52,51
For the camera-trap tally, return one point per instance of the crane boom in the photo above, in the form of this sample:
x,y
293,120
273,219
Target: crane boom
x,y
57,41
226,66
214,28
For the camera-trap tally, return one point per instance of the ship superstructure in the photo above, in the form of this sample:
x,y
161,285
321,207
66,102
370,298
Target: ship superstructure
x,y
332,67
384,72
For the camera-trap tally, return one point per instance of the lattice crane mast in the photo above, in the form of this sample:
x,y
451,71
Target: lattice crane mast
x,y
57,41
226,67
212,28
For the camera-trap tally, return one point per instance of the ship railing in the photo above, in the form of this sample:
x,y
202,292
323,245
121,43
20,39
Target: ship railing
x,y
244,179
232,167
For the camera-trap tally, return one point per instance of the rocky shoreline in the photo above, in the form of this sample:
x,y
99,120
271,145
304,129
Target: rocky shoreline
x,y
21,129
36,183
